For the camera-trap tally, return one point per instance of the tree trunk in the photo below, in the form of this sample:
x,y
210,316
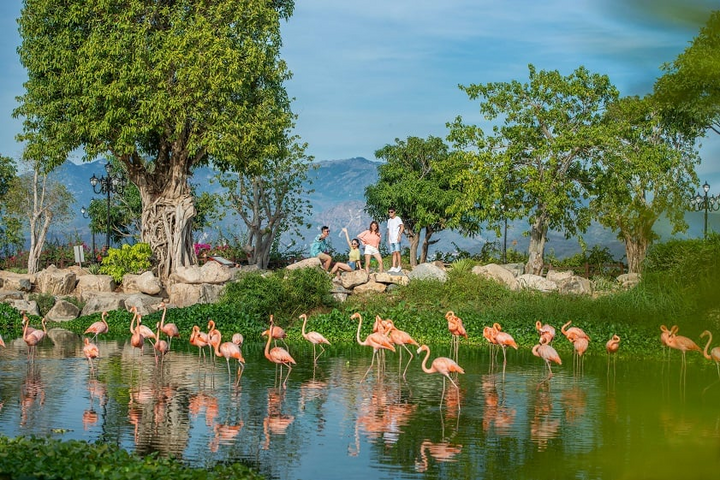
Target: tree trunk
x,y
426,244
536,251
414,240
636,247
40,220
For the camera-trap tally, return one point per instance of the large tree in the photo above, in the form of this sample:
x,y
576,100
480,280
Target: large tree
x,y
161,86
646,172
535,161
271,202
416,181
689,90
38,201
10,228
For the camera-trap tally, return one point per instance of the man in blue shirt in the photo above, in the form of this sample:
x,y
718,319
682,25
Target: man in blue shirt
x,y
320,247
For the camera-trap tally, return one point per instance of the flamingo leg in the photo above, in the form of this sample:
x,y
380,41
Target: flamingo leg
x,y
288,376
408,363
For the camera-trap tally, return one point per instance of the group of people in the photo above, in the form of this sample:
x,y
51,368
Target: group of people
x,y
370,240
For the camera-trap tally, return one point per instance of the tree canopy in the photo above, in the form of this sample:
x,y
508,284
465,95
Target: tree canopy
x,y
160,86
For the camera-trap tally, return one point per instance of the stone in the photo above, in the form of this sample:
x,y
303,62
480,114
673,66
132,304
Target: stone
x,y
498,273
94,283
307,263
77,270
428,271
145,304
352,279
144,283
17,281
575,285
63,311
55,281
629,280
8,296
186,294
101,302
391,278
61,336
370,287
536,282
191,275
214,273
28,306
556,275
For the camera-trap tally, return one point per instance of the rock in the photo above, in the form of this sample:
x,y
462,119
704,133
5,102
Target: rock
x,y
307,263
497,273
370,287
428,271
391,278
77,270
9,296
186,294
351,280
55,281
144,283
28,306
556,275
94,283
190,275
214,273
536,282
576,285
61,336
629,280
17,281
144,303
63,311
101,302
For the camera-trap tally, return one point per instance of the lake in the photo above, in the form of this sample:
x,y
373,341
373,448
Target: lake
x,y
629,419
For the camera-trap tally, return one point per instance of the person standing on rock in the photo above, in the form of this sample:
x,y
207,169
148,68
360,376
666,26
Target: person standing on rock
x,y
395,230
371,240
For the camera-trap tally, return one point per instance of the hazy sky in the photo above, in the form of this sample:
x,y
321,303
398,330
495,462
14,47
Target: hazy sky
x,y
368,72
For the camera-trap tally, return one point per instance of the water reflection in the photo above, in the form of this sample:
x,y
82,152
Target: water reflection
x,y
494,424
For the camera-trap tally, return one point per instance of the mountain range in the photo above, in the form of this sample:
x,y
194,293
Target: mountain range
x,y
338,189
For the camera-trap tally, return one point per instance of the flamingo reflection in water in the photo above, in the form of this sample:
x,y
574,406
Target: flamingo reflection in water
x,y
275,422
440,452
543,426
224,435
32,390
495,413
97,390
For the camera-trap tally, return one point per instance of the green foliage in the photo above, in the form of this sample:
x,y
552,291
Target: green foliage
x,y
284,294
48,458
45,302
127,259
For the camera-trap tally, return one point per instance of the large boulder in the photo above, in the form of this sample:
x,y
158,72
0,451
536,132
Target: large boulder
x,y
629,280
9,296
557,276
498,273
191,275
575,284
144,283
428,271
536,282
145,304
370,287
186,294
215,273
63,311
55,281
28,306
102,302
88,284
307,263
352,279
17,281
391,278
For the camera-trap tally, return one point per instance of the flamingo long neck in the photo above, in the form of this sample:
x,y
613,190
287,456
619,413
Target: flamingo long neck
x,y
104,314
304,323
707,345
132,322
267,345
162,319
217,344
358,330
424,362
563,329
25,329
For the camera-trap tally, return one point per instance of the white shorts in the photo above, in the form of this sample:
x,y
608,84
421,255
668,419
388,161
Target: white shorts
x,y
370,250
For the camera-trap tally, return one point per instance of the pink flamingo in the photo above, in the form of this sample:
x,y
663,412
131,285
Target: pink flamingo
x,y
90,350
98,328
573,333
713,355
229,350
375,340
683,344
546,330
403,339
457,330
665,334
199,339
313,337
161,347
136,340
169,329
279,356
31,339
547,353
276,332
504,340
442,365
580,346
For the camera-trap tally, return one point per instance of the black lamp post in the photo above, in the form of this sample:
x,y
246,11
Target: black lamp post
x,y
705,203
86,214
108,184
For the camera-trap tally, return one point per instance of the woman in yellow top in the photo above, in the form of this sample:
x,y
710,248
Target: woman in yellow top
x,y
354,261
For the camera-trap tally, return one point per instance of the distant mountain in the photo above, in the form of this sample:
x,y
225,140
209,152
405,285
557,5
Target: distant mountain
x,y
338,201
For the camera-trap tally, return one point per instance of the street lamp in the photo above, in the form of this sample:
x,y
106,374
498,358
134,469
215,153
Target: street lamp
x,y
114,182
86,214
705,203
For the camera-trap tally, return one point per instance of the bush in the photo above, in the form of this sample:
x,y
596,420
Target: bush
x,y
119,261
45,302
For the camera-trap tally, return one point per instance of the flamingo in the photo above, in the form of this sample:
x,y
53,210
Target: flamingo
x,y
169,329
98,327
91,351
442,365
229,350
613,345
30,339
713,355
279,356
683,344
276,332
547,353
457,330
161,346
580,346
504,340
237,339
136,340
546,330
375,340
402,338
665,333
214,336
199,339
146,332
313,337
573,333
39,334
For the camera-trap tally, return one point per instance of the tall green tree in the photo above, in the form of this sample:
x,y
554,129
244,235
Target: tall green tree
x,y
415,180
161,87
646,172
10,229
38,201
689,90
535,161
271,203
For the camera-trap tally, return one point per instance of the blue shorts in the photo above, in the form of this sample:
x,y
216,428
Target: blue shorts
x,y
394,247
352,265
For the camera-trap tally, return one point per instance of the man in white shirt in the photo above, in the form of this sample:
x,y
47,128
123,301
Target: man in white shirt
x,y
395,230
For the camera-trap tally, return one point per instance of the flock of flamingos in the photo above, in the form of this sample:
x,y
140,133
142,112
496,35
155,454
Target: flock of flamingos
x,y
385,336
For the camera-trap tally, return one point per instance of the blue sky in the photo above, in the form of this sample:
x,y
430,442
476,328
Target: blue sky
x,y
368,72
